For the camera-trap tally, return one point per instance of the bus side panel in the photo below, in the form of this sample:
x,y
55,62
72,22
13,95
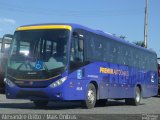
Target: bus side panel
x,y
111,81
150,84
131,82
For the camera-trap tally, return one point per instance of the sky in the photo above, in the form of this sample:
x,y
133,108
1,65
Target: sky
x,y
120,17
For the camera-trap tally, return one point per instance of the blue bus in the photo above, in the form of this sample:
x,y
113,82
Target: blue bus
x,y
50,62
5,44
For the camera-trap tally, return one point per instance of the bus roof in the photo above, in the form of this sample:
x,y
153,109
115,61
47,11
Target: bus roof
x,y
98,32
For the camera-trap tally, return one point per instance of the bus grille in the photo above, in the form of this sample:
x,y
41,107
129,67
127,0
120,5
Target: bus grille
x,y
31,94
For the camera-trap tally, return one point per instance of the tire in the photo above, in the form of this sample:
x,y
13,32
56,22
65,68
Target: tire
x,y
2,91
90,97
101,103
40,103
158,91
136,100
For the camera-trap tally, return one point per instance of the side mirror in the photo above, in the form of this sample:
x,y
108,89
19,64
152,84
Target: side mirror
x,y
6,40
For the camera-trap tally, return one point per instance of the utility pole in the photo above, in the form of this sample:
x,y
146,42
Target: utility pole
x,y
146,25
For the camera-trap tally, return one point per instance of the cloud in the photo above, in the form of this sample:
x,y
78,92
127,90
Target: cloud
x,y
7,21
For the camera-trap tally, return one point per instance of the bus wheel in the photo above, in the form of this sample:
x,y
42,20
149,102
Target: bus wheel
x,y
40,103
90,97
134,101
101,103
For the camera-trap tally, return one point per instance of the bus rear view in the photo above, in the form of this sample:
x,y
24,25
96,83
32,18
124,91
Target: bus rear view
x,y
5,44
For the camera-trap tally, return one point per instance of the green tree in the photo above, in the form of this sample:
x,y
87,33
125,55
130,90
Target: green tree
x,y
121,36
140,43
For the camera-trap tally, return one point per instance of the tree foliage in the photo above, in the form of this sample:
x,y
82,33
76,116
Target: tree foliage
x,y
121,36
140,43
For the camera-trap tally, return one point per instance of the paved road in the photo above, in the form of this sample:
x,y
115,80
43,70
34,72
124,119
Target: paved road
x,y
148,106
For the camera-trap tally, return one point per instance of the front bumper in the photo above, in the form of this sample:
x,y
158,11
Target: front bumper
x,y
62,92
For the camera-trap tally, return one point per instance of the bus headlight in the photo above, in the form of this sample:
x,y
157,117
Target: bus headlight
x,y
58,82
8,82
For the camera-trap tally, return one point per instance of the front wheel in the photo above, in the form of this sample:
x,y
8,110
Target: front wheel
x,y
136,100
90,97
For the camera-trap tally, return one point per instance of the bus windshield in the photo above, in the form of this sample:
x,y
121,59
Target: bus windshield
x,y
38,53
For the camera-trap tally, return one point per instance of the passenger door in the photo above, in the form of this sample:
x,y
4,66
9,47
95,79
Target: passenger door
x,y
77,52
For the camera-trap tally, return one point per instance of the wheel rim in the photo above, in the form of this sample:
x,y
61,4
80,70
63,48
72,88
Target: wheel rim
x,y
91,96
138,96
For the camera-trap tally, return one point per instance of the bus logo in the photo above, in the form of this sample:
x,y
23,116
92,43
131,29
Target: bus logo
x,y
79,74
39,65
114,71
152,78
